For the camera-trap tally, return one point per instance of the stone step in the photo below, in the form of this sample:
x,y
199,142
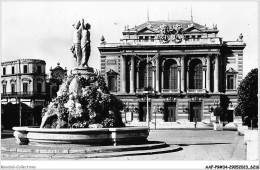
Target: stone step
x,y
83,149
10,155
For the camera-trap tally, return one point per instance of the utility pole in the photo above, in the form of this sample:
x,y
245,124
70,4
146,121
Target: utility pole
x,y
147,95
19,98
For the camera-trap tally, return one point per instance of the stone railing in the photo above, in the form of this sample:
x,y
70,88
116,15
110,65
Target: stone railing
x,y
196,91
210,40
165,91
22,94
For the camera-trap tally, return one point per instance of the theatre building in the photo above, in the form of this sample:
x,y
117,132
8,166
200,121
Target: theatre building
x,y
187,67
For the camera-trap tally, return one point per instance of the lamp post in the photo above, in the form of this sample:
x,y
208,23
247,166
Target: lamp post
x,y
210,110
154,111
19,97
125,110
147,107
158,110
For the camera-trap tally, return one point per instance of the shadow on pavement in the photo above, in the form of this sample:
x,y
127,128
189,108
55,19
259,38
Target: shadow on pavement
x,y
200,144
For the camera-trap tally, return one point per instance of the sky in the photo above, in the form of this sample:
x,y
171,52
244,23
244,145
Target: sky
x,y
43,29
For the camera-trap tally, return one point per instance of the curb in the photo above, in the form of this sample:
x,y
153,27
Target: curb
x,y
10,155
79,149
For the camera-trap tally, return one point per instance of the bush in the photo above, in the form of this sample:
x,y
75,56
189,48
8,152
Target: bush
x,y
218,112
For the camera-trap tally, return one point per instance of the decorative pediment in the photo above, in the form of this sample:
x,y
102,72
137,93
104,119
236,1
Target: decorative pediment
x,y
26,79
146,31
13,80
111,72
192,29
231,71
4,82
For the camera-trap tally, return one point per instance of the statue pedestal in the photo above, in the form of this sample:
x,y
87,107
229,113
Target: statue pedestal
x,y
86,72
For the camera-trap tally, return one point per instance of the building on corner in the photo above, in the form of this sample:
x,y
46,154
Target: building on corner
x,y
189,68
22,81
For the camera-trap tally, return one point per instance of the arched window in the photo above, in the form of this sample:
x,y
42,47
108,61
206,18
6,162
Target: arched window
x,y
112,80
12,88
195,74
143,74
39,88
170,75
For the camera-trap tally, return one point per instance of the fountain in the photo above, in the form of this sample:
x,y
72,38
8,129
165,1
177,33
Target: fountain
x,y
84,112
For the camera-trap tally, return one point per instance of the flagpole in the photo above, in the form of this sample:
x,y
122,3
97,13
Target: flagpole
x,y
147,97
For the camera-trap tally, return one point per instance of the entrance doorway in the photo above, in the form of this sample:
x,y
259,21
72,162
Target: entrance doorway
x,y
143,111
170,114
195,112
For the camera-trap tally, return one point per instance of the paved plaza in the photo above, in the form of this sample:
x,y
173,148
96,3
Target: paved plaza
x,y
195,144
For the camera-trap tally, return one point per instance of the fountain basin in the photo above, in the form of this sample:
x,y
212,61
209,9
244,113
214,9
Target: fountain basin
x,y
88,136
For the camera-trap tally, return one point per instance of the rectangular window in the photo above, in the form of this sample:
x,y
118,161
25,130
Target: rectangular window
x,y
140,39
152,38
12,69
25,69
39,87
150,76
146,38
112,83
193,37
39,69
187,36
25,87
12,88
199,36
230,82
4,88
4,71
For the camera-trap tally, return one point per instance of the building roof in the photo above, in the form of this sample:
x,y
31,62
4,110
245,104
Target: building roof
x,y
35,61
155,25
58,67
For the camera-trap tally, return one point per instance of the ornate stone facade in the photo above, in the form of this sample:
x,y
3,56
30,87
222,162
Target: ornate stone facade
x,y
23,80
55,79
177,59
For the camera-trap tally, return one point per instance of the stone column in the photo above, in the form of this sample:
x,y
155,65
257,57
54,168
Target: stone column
x,y
188,77
137,78
162,78
51,95
182,74
179,78
216,75
123,75
208,74
154,77
132,73
157,74
204,78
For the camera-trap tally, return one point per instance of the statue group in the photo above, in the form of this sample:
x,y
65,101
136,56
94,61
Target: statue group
x,y
81,43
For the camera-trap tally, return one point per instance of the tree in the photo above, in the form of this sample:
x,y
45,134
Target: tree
x,y
218,112
248,98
